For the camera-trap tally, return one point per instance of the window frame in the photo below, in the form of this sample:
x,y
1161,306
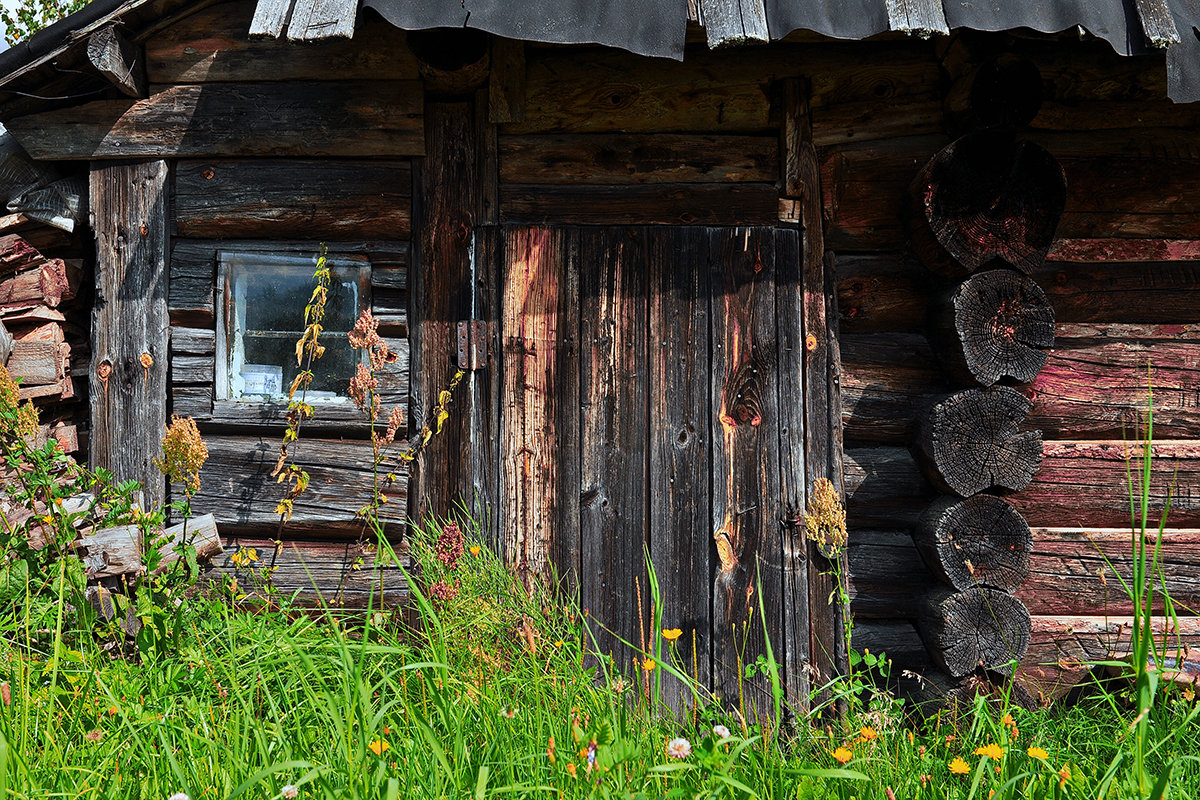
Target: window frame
x,y
226,315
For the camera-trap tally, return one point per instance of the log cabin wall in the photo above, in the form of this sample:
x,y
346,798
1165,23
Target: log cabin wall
x,y
1121,277
316,176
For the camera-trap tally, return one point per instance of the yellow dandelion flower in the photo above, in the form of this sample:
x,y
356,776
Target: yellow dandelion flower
x,y
379,747
475,550
959,767
649,664
842,755
868,733
992,750
671,634
1037,752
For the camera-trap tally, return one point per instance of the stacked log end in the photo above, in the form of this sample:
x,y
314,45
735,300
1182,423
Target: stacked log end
x,y
44,337
987,208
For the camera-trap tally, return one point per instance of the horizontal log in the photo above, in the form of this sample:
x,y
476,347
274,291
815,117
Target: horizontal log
x,y
1062,648
355,119
1103,251
619,159
191,401
1072,571
236,486
192,369
666,204
1113,195
874,120
1079,484
292,198
193,341
213,45
333,574
38,363
194,269
199,532
1094,384
882,293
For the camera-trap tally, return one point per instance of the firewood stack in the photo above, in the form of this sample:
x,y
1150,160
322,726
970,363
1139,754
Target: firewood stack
x,y
40,277
986,208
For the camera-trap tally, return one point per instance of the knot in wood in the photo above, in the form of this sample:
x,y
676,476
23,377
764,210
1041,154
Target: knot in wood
x,y
741,400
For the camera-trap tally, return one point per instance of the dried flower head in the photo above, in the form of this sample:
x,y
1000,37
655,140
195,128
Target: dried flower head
x,y
184,453
449,546
443,592
825,522
366,331
94,735
363,389
721,731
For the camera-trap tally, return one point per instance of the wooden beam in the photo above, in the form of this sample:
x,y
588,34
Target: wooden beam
x,y
313,20
361,119
919,17
734,22
506,85
661,204
118,59
128,210
1158,23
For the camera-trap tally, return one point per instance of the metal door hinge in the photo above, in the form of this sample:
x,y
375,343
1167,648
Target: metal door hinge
x,y
472,344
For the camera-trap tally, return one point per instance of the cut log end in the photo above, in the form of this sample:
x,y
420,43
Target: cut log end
x,y
970,442
978,628
980,541
1001,325
984,197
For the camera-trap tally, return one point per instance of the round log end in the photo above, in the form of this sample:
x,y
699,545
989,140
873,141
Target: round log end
x,y
1001,324
978,628
988,196
970,442
980,541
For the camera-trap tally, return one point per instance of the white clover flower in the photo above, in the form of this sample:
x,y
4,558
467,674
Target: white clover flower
x,y
289,791
721,731
679,748
179,796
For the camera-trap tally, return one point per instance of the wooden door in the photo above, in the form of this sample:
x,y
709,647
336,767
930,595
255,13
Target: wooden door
x,y
653,401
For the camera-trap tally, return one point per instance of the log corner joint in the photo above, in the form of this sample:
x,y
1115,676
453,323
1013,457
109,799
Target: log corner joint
x,y
118,59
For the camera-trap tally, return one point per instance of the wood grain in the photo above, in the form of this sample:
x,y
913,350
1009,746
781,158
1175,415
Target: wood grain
x,y
662,204
128,208
293,199
378,118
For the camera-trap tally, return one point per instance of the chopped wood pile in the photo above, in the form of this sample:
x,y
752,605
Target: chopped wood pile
x,y
43,329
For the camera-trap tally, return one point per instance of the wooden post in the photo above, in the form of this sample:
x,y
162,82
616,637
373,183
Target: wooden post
x,y
129,321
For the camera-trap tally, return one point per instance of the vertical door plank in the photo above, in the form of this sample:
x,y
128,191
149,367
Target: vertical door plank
x,y
789,312
822,418
565,548
680,541
529,482
481,392
129,320
613,424
445,207
746,508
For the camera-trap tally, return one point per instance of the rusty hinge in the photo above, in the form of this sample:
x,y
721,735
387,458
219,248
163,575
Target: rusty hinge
x,y
472,344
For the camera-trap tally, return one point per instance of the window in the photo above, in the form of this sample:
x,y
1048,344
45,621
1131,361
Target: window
x,y
260,315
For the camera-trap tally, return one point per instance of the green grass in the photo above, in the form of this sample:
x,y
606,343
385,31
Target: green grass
x,y
251,701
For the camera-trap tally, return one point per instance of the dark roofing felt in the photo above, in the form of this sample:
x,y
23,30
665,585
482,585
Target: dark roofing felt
x,y
657,27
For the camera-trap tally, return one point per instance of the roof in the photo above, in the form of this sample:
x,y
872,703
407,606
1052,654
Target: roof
x,y
658,27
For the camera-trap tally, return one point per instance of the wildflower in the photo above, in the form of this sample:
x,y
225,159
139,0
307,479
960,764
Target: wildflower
x,y
449,545
679,748
475,550
910,738
379,747
842,755
925,779
94,735
179,796
244,557
1064,775
1037,752
362,389
959,767
620,685
671,634
113,711
993,751
592,751
571,768
508,712
649,664
184,453
550,750
289,791
443,592
721,731
1008,720
559,643
867,733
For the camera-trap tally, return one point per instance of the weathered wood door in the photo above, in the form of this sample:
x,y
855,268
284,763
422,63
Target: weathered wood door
x,y
653,401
